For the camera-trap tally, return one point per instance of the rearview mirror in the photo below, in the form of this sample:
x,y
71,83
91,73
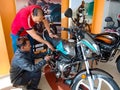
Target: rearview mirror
x,y
68,13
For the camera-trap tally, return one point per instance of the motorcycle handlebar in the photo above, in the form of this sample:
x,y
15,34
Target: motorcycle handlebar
x,y
67,29
71,30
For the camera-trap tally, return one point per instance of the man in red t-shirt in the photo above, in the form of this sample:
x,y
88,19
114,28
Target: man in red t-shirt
x,y
23,24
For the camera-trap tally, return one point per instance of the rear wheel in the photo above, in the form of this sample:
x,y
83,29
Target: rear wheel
x,y
118,65
101,82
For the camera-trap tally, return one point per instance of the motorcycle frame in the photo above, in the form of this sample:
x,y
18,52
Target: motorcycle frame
x,y
81,43
117,54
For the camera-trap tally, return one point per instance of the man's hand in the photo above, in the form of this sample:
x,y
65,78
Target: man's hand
x,y
53,35
47,58
50,46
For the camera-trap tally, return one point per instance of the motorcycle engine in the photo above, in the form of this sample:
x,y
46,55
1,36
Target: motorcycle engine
x,y
62,62
61,65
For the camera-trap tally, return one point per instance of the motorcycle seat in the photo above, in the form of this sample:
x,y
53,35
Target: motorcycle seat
x,y
108,41
107,38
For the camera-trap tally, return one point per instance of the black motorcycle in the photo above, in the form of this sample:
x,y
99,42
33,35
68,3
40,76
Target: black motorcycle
x,y
109,42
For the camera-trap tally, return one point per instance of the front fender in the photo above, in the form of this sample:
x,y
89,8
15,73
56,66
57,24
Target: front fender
x,y
100,72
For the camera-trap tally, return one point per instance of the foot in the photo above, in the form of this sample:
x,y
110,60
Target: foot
x,y
33,88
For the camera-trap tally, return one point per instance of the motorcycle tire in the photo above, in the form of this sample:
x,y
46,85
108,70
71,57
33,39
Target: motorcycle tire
x,y
118,65
101,82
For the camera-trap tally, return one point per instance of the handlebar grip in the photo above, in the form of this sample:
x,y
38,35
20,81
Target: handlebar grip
x,y
66,29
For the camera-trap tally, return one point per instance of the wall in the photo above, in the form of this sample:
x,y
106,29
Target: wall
x,y
4,61
98,15
106,13
64,20
7,11
21,3
111,9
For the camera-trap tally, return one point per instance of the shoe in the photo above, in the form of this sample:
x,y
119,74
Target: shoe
x,y
33,88
20,86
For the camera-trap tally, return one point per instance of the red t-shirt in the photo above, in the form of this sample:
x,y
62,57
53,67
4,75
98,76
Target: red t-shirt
x,y
23,20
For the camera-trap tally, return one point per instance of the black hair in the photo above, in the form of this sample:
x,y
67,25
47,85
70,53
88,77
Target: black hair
x,y
32,2
36,11
21,41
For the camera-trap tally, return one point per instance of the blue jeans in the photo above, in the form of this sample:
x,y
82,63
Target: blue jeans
x,y
14,41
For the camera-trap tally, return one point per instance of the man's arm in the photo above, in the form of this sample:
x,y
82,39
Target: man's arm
x,y
47,26
34,35
28,66
39,55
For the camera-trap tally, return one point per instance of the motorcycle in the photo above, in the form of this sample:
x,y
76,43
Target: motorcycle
x,y
109,44
69,58
108,41
113,44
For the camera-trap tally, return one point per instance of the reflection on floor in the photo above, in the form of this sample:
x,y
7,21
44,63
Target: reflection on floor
x,y
110,67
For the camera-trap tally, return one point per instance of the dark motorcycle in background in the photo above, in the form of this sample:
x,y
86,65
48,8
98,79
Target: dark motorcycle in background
x,y
114,51
109,44
70,56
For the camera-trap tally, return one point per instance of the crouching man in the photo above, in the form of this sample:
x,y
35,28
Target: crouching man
x,y
24,71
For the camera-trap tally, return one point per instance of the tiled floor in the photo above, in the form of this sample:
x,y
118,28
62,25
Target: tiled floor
x,y
109,67
6,85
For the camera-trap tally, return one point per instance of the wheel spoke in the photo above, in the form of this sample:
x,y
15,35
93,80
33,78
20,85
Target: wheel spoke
x,y
99,84
85,85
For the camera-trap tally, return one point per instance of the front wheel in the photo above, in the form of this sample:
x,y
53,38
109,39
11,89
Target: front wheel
x,y
101,82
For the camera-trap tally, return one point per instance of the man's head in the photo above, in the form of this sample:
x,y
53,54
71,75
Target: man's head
x,y
37,15
23,43
32,2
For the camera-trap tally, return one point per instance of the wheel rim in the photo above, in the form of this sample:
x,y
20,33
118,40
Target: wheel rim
x,y
99,84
